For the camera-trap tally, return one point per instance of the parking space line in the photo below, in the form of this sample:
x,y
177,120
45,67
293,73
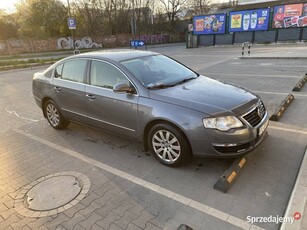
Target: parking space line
x,y
252,75
148,185
275,93
288,130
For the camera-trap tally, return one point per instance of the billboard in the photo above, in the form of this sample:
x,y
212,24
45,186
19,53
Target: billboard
x,y
294,15
249,20
245,2
209,24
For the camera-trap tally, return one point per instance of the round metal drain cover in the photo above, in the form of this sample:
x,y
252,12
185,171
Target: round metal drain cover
x,y
52,194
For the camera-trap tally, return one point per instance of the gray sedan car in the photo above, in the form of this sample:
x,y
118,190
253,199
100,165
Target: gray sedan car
x,y
154,99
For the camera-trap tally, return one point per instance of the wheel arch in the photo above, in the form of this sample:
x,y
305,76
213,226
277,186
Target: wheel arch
x,y
161,121
45,99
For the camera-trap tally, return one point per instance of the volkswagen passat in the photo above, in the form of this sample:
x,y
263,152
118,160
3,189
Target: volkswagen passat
x,y
152,98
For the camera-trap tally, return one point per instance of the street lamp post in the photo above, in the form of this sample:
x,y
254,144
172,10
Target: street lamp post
x,y
72,34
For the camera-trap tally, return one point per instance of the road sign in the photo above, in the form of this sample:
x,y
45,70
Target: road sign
x,y
137,43
72,23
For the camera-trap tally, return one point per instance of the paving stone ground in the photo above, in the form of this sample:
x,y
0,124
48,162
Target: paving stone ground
x,y
112,202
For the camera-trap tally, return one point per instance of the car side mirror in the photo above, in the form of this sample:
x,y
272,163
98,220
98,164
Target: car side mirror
x,y
123,88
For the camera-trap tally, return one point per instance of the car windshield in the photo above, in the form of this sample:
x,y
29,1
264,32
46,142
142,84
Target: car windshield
x,y
158,71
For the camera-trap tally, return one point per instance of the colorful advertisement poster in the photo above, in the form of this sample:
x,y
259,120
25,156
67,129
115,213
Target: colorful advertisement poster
x,y
294,15
245,2
236,21
210,24
249,20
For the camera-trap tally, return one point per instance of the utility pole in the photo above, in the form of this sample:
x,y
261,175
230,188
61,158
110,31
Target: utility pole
x,y
133,20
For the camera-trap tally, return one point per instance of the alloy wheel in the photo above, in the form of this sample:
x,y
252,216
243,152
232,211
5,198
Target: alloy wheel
x,y
166,146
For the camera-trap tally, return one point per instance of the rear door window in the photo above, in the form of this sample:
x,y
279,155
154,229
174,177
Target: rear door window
x,y
74,70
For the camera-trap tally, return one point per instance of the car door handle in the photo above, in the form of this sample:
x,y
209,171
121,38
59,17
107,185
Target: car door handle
x,y
90,96
57,89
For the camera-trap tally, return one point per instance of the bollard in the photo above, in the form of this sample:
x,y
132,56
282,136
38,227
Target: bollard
x,y
248,46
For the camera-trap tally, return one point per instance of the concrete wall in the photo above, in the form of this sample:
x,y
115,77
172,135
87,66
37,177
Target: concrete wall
x,y
17,46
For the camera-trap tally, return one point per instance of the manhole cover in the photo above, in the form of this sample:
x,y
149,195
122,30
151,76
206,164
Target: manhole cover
x,y
52,194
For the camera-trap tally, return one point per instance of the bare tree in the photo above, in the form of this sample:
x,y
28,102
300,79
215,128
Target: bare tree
x,y
172,8
200,6
88,13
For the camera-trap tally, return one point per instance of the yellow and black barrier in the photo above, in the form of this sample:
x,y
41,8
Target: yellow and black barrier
x,y
184,227
300,84
231,174
282,108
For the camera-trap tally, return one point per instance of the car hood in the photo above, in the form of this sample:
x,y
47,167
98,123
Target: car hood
x,y
206,95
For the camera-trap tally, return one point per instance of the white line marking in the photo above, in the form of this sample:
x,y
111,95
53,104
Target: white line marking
x,y
153,187
294,94
15,113
251,75
288,130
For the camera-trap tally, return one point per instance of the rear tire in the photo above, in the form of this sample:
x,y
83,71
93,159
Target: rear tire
x,y
168,145
54,116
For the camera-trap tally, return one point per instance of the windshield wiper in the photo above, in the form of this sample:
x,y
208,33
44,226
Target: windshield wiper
x,y
186,80
160,86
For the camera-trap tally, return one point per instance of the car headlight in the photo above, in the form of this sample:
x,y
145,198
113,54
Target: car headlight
x,y
222,123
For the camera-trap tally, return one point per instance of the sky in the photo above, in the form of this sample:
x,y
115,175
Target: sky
x,y
8,5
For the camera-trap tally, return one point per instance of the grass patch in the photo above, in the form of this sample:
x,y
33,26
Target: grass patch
x,y
28,61
20,64
43,54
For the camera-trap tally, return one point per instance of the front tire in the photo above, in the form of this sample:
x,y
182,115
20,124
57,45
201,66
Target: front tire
x,y
169,145
54,116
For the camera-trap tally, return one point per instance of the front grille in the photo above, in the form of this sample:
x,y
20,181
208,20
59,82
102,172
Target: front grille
x,y
232,149
261,109
255,116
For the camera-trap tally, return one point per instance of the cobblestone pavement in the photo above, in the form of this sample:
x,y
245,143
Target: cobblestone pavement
x,y
112,202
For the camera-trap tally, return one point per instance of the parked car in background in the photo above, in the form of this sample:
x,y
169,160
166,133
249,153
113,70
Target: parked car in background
x,y
154,99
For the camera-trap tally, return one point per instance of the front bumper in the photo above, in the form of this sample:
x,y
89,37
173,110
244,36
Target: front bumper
x,y
235,142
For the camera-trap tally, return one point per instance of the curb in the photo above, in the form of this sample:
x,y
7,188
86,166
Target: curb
x,y
300,84
296,204
231,174
282,108
26,68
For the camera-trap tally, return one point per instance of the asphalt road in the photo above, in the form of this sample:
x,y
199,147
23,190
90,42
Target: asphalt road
x,y
264,187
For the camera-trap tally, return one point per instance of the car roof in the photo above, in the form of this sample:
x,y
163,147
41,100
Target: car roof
x,y
117,54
